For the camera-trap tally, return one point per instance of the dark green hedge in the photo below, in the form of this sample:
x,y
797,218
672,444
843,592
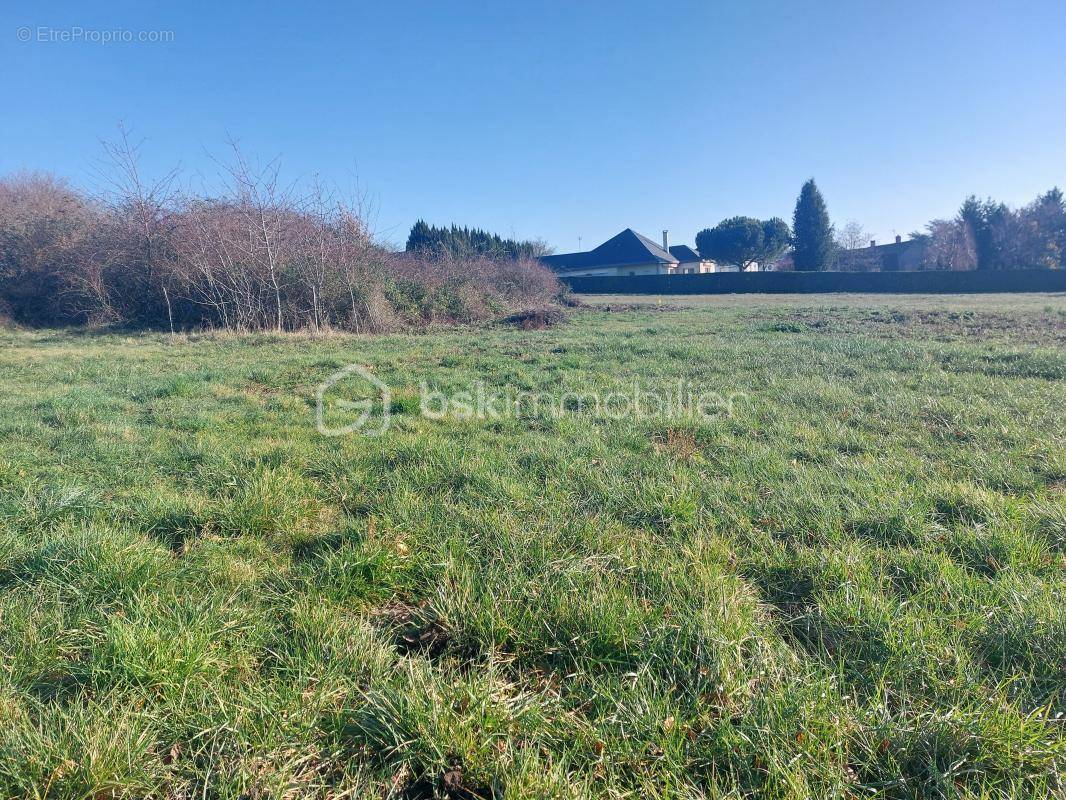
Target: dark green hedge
x,y
1036,280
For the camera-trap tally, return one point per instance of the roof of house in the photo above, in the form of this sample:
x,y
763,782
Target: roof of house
x,y
888,257
878,250
628,247
682,252
904,244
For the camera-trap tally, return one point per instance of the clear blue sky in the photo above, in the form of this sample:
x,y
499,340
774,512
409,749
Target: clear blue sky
x,y
567,119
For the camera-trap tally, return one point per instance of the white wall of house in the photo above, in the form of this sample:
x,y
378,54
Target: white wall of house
x,y
625,269
683,268
694,267
735,268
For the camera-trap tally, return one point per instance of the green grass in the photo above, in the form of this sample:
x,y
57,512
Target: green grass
x,y
851,586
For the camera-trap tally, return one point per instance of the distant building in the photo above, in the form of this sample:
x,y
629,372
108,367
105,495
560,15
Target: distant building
x,y
898,256
688,260
629,253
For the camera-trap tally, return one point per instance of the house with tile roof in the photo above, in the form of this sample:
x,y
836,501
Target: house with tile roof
x,y
688,260
895,256
630,253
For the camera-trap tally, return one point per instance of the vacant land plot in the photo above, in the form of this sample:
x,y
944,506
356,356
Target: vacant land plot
x,y
844,577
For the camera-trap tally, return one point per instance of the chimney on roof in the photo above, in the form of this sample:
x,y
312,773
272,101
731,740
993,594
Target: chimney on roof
x,y
898,238
873,243
666,241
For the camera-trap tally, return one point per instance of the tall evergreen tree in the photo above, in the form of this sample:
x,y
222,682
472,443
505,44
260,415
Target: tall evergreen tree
x,y
987,222
420,238
812,231
1048,214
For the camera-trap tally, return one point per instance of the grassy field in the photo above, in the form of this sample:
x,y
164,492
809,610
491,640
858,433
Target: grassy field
x,y
849,582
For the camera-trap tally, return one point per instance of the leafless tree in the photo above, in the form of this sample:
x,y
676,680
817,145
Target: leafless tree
x,y
1040,232
950,246
852,235
266,209
142,214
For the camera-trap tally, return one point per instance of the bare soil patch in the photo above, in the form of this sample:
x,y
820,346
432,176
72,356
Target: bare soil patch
x,y
415,629
537,318
1045,328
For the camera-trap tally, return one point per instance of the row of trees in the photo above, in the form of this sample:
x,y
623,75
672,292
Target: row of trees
x,y
986,234
253,255
745,241
453,241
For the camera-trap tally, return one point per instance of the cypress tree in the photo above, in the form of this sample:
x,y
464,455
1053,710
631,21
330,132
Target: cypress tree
x,y
464,241
812,231
420,237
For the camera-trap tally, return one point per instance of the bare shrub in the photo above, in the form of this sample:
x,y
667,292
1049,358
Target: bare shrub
x,y
46,235
950,246
451,288
255,254
130,273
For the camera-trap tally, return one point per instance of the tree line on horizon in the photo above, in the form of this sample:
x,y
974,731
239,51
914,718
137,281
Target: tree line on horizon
x,y
985,234
745,241
257,255
455,241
